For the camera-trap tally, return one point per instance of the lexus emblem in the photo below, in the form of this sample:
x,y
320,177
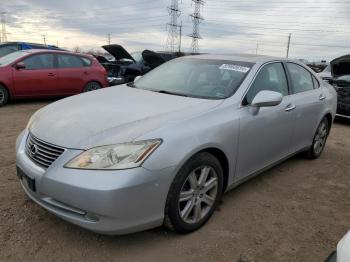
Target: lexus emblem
x,y
33,150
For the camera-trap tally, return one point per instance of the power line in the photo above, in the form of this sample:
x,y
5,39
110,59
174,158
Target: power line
x,y
3,35
44,38
197,19
173,34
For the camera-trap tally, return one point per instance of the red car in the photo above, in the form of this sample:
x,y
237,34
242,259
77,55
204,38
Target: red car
x,y
48,73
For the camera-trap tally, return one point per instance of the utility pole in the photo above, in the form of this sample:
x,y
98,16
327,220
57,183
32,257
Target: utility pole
x,y
44,38
180,37
172,26
3,35
288,44
109,39
196,19
257,47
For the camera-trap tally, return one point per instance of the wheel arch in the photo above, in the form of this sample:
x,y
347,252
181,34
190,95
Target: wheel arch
x,y
329,117
222,158
8,89
92,81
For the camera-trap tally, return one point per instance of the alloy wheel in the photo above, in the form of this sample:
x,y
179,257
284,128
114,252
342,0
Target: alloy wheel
x,y
198,194
321,137
2,96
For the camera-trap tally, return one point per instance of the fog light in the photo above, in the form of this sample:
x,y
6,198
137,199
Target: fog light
x,y
91,217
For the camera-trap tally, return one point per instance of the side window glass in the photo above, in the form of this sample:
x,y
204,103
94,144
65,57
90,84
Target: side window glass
x,y
40,61
272,78
300,77
316,83
69,61
86,61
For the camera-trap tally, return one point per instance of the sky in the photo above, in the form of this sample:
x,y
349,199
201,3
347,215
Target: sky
x,y
319,29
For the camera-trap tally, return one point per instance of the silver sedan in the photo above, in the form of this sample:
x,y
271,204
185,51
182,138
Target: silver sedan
x,y
164,149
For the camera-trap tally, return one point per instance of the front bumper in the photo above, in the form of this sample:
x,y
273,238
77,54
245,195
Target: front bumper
x,y
108,202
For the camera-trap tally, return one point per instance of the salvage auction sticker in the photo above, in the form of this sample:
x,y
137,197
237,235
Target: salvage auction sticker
x,y
238,68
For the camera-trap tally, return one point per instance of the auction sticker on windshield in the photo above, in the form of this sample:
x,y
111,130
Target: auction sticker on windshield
x,y
238,68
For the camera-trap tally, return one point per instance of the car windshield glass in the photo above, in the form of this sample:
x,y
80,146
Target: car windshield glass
x,y
137,56
5,50
201,78
327,69
8,59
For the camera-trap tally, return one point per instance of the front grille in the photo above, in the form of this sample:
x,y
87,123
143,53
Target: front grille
x,y
42,153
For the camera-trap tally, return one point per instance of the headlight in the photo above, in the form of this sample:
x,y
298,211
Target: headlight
x,y
113,157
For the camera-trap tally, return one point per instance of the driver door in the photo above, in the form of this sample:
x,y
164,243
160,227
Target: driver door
x,y
38,78
265,136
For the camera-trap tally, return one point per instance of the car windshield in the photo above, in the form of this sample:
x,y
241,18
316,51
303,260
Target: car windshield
x,y
8,59
7,49
327,69
201,78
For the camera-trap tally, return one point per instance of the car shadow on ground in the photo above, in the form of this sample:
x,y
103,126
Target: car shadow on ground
x,y
342,121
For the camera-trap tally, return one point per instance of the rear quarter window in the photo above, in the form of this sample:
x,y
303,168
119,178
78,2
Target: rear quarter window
x,y
301,78
72,61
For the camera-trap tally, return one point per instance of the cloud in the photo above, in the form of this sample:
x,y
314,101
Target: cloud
x,y
319,29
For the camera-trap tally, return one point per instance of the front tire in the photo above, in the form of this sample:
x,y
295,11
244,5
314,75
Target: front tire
x,y
4,96
91,86
194,194
320,139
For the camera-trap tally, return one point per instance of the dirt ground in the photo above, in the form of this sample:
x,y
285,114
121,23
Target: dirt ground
x,y
297,211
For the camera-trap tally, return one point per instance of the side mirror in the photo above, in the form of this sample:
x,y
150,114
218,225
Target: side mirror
x,y
267,98
20,65
137,78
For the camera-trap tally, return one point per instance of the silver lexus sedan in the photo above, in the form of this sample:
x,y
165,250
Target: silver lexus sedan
x,y
164,149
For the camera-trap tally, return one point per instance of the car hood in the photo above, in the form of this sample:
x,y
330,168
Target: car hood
x,y
118,52
112,115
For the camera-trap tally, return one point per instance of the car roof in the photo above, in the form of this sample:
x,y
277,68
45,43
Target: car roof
x,y
239,57
34,51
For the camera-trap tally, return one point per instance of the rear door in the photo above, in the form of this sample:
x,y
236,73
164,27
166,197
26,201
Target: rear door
x,y
309,103
73,72
39,78
265,136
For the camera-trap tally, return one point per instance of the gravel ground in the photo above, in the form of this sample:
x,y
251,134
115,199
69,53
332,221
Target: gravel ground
x,y
297,211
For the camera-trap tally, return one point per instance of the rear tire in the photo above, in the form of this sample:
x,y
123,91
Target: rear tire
x,y
194,194
4,96
319,140
91,86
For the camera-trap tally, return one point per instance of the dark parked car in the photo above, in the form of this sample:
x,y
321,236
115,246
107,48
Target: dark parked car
x,y
48,73
340,68
10,47
343,88
127,66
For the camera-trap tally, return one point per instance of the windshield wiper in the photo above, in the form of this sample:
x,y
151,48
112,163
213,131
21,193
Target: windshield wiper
x,y
169,93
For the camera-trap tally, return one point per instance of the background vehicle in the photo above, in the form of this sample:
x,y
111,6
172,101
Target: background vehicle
x,y
48,73
342,85
343,251
340,78
127,66
164,149
9,47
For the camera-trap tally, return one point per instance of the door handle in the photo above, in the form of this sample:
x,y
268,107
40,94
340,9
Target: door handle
x,y
289,107
51,74
322,97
